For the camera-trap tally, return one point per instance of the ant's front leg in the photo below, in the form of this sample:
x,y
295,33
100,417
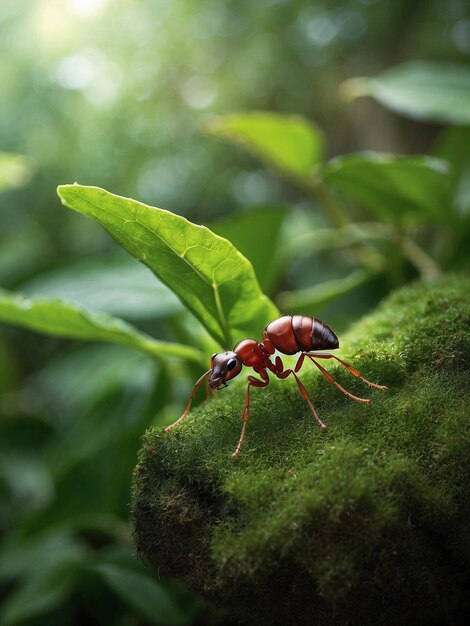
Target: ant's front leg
x,y
252,382
190,401
210,391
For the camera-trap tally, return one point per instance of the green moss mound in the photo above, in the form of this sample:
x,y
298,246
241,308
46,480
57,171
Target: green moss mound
x,y
365,523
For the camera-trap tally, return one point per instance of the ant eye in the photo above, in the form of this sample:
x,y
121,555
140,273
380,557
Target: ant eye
x,y
213,356
231,364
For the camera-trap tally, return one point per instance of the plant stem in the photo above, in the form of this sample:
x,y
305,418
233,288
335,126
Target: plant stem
x,y
332,208
427,266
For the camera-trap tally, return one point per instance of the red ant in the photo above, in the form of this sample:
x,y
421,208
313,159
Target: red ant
x,y
289,335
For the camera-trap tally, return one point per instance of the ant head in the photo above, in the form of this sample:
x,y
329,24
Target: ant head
x,y
224,366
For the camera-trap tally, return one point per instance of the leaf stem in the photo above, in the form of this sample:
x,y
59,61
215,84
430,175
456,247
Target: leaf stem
x,y
427,266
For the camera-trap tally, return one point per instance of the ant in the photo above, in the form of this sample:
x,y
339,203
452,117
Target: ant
x,y
289,335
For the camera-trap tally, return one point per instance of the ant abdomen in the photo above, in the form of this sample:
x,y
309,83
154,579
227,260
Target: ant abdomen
x,y
300,333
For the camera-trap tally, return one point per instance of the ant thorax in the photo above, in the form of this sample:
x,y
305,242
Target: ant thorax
x,y
253,354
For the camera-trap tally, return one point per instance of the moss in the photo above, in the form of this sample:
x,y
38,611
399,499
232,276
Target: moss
x,y
365,523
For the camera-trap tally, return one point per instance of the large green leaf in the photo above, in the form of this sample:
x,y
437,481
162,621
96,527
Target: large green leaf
x,y
73,321
424,90
206,272
393,188
289,143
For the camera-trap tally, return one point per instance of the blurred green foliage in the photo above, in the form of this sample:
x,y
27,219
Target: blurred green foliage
x,y
118,95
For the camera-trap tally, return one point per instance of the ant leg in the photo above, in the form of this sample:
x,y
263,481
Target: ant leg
x,y
279,365
190,401
252,382
330,379
209,391
300,362
303,391
350,368
267,344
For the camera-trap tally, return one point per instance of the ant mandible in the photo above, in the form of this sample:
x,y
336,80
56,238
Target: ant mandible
x,y
289,335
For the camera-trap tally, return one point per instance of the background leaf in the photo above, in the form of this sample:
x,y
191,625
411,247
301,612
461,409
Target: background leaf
x,y
244,230
207,272
46,587
312,298
21,256
453,146
114,284
140,591
72,321
289,143
424,90
393,188
67,387
35,555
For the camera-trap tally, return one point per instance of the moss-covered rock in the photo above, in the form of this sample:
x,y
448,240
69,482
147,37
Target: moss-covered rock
x,y
365,523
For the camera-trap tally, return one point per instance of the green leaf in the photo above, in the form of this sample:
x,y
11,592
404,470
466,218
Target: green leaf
x,y
423,90
141,592
16,170
311,298
21,255
394,188
38,596
25,557
68,389
243,230
289,143
45,588
28,479
114,284
215,282
72,321
452,146
462,194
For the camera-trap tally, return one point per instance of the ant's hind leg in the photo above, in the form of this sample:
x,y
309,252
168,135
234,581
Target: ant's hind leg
x,y
330,379
350,369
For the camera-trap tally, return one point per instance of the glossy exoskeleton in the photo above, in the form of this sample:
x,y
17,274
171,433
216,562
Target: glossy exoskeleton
x,y
288,335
